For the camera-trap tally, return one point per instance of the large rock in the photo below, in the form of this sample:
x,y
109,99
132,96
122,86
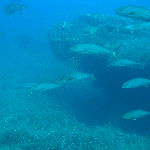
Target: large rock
x,y
107,31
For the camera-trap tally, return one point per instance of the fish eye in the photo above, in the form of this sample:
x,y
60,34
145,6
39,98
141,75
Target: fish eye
x,y
138,25
70,79
84,50
121,9
132,13
75,47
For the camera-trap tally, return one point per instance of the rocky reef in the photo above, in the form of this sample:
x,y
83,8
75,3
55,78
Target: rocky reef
x,y
114,33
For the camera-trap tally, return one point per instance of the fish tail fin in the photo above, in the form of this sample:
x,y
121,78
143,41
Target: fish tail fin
x,y
93,75
27,6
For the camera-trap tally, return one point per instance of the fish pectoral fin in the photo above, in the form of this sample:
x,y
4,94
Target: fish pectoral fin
x,y
133,118
142,65
63,87
114,53
20,11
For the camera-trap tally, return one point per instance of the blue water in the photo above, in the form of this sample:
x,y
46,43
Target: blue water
x,y
25,57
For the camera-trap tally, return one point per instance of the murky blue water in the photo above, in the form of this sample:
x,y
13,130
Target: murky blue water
x,y
25,57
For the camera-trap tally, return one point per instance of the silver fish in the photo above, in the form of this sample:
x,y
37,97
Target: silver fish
x,y
44,86
136,12
137,82
11,8
92,49
142,26
73,76
134,114
29,85
125,63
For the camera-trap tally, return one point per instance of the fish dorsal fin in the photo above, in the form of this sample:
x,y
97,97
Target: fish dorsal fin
x,y
138,6
143,7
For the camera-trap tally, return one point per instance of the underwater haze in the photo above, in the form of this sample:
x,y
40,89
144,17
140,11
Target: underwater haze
x,y
79,111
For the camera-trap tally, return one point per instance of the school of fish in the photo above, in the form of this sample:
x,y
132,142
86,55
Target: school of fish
x,y
140,13
130,11
60,82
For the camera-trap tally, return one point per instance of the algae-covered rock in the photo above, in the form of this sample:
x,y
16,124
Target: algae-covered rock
x,y
111,32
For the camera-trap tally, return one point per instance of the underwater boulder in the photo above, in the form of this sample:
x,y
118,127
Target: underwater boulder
x,y
108,31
